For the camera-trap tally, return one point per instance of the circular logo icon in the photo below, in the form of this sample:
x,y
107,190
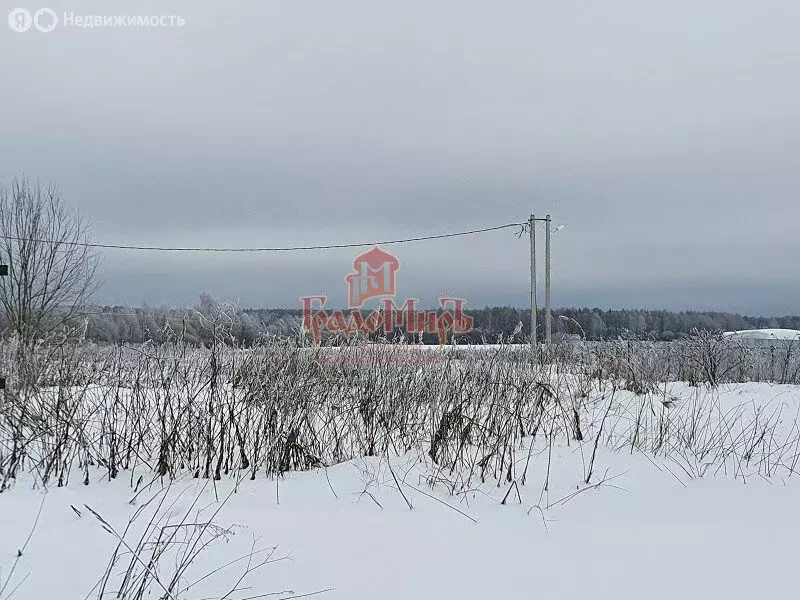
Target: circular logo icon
x,y
20,20
45,20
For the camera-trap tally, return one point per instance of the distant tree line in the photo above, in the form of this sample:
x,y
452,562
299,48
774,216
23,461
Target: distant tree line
x,y
210,319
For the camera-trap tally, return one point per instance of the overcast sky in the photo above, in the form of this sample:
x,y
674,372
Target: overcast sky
x,y
665,135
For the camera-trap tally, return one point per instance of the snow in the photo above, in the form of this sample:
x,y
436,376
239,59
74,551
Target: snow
x,y
764,334
648,531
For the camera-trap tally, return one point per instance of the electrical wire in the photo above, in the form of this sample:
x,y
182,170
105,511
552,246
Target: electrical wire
x,y
268,249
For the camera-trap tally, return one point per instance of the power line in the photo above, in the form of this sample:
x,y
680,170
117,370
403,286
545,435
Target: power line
x,y
273,249
113,313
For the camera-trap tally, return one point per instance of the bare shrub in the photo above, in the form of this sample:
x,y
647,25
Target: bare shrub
x,y
220,411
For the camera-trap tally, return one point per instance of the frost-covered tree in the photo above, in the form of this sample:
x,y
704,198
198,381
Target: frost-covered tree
x,y
52,272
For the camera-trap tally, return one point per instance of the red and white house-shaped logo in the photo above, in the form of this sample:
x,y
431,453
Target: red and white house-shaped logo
x,y
374,276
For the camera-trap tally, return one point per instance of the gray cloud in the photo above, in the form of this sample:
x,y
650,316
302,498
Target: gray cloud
x,y
667,137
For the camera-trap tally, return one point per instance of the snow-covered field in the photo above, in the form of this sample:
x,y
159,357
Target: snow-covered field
x,y
647,525
764,334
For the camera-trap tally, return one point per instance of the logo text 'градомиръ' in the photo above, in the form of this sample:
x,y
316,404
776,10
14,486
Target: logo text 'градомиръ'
x,y
374,277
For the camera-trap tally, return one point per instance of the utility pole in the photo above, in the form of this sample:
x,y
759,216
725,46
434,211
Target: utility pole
x,y
548,319
548,315
534,308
